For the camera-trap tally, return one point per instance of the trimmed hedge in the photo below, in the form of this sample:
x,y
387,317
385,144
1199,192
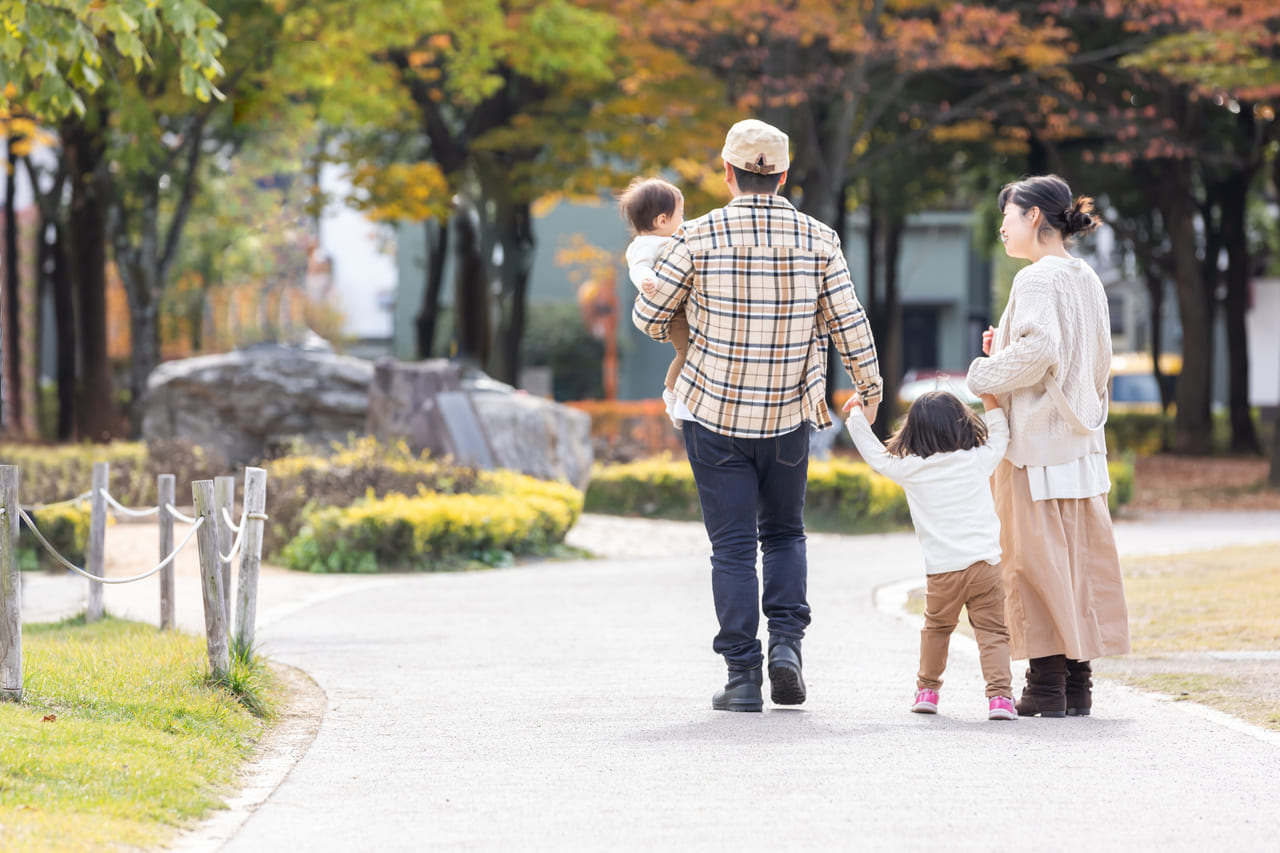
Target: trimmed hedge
x,y
843,496
52,473
634,430
363,468
510,514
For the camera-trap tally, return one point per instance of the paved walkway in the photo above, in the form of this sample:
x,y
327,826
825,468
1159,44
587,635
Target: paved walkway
x,y
566,706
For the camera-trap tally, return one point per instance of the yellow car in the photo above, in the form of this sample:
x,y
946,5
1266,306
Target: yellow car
x,y
1134,387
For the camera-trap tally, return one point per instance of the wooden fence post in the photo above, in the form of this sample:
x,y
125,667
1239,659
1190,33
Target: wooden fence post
x,y
95,554
10,588
164,499
255,504
224,497
215,617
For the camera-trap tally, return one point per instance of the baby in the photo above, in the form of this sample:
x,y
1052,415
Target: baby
x,y
655,210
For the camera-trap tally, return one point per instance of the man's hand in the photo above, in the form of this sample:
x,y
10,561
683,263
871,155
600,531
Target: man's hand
x,y
649,287
987,337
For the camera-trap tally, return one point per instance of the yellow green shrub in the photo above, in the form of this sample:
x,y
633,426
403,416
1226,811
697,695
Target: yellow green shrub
x,y
298,485
843,496
51,473
511,514
1121,484
65,526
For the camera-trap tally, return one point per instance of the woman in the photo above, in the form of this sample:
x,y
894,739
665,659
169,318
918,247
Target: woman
x,y
1048,365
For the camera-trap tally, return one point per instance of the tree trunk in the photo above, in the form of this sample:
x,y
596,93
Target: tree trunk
x,y
834,363
889,347
1172,193
515,232
1234,201
142,276
425,321
84,148
471,288
64,323
12,334
54,279
1155,297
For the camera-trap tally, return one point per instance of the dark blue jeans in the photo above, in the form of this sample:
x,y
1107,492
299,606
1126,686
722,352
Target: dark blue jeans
x,y
752,489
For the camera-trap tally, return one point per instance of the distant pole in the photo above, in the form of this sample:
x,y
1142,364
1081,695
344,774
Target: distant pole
x,y
164,499
224,497
96,551
215,617
10,589
255,504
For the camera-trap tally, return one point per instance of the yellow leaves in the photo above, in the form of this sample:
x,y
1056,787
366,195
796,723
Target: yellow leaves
x,y
414,191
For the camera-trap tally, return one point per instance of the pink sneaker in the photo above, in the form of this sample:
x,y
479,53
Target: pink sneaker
x,y
1001,708
926,701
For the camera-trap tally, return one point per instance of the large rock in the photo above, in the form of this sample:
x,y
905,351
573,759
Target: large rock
x,y
245,405
434,406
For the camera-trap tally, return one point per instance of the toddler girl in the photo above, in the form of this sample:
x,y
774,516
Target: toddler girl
x,y
655,209
943,456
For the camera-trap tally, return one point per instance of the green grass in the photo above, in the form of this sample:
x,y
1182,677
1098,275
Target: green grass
x,y
118,740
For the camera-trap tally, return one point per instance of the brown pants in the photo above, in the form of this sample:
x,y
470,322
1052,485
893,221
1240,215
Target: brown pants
x,y
979,589
679,330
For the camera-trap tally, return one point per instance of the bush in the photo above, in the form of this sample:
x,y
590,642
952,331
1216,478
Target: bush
x,y
842,496
630,430
298,485
511,514
67,529
1121,484
52,473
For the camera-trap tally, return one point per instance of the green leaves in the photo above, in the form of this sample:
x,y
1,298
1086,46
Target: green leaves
x,y
53,51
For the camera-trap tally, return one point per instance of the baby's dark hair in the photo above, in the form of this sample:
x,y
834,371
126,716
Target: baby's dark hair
x,y
1053,196
937,422
645,200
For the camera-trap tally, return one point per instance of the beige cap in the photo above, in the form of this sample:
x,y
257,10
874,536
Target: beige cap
x,y
754,146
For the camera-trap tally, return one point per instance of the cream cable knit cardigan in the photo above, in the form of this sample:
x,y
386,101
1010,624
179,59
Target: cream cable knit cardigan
x,y
1056,328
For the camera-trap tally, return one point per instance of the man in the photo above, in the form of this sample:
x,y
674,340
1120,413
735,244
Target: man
x,y
763,287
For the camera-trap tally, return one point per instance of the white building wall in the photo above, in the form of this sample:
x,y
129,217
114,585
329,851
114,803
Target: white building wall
x,y
1263,325
364,263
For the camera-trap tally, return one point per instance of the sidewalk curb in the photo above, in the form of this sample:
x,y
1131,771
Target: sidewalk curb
x,y
281,747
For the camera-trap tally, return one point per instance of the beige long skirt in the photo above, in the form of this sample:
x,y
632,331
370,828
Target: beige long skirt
x,y
1063,590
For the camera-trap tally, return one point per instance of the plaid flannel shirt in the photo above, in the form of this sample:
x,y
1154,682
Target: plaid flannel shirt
x,y
763,287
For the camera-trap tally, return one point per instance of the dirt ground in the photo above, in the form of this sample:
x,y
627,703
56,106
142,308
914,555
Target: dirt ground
x,y
1167,482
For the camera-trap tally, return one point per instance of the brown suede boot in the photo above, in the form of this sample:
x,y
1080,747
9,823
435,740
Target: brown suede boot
x,y
1046,690
1079,688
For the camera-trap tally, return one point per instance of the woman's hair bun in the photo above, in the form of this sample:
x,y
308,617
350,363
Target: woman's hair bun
x,y
1080,218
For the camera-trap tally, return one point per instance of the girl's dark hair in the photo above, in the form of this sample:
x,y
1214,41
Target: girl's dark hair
x,y
645,199
1052,195
937,422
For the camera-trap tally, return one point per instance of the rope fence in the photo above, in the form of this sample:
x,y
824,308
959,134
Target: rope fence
x,y
53,552
211,523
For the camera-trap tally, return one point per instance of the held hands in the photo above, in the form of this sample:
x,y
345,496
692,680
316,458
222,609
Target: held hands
x,y
987,337
855,402
649,287
989,402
